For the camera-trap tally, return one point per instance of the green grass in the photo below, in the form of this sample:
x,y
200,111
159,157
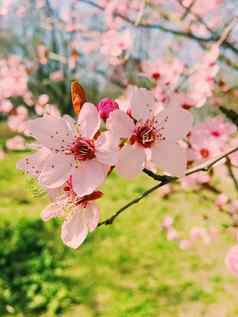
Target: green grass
x,y
129,269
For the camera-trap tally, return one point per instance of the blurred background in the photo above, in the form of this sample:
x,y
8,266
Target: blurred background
x,y
136,267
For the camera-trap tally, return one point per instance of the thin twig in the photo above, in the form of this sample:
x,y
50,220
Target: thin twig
x,y
165,29
163,180
231,173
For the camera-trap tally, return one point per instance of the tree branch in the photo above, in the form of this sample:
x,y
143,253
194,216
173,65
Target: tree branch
x,y
162,28
231,173
163,180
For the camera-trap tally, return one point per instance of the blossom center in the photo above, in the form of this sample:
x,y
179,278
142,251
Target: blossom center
x,y
83,149
145,134
156,75
204,153
216,133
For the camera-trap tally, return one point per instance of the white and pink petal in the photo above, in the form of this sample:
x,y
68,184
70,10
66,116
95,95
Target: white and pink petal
x,y
75,229
88,176
89,120
50,131
92,216
120,124
169,157
142,104
131,159
174,123
56,170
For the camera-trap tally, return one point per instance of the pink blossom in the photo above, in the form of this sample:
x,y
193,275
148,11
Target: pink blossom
x,y
16,143
167,222
195,179
209,138
150,135
163,71
202,7
80,214
221,200
43,99
231,260
13,77
115,43
105,107
200,233
6,106
74,150
202,77
233,207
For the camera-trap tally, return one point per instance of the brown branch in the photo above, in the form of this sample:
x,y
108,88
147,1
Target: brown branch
x,y
231,173
163,180
165,29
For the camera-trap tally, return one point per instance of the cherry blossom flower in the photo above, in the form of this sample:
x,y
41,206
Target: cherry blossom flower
x,y
6,106
80,214
115,43
163,71
74,150
209,138
231,260
195,179
150,135
16,143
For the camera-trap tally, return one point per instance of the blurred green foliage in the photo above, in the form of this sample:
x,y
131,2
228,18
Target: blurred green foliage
x,y
32,270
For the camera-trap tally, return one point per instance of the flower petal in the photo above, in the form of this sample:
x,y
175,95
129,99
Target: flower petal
x,y
56,170
170,157
74,230
89,120
107,149
50,131
174,123
120,124
33,164
92,216
142,103
88,176
52,210
71,123
130,161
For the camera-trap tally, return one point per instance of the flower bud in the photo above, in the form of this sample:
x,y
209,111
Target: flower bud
x,y
105,107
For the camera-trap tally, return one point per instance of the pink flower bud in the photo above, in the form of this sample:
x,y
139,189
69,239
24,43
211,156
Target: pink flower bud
x,y
232,260
167,223
221,200
105,107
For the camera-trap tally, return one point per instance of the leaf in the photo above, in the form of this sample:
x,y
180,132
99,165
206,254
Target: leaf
x,y
78,96
230,114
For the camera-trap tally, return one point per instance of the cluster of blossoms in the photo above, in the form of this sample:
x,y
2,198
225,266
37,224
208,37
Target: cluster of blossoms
x,y
73,158
142,130
14,77
196,234
13,80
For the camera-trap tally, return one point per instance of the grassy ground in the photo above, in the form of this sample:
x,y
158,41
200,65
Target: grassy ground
x,y
129,269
